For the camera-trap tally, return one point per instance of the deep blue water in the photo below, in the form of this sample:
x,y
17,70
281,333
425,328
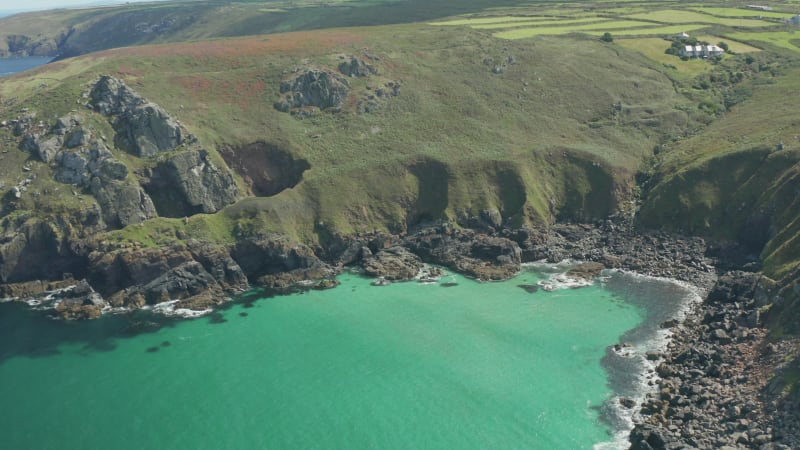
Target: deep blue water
x,y
15,65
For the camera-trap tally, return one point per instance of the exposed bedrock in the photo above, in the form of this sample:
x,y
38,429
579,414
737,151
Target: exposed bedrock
x,y
357,67
189,183
197,274
50,249
275,261
143,128
477,255
267,168
321,88
394,263
79,160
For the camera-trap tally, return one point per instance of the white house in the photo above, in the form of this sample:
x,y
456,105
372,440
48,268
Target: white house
x,y
701,51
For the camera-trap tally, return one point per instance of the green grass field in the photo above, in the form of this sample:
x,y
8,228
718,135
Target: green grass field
x,y
548,22
676,16
521,33
664,31
789,40
489,20
654,49
734,46
738,12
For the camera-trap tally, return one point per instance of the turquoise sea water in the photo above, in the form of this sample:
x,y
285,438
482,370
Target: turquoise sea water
x,y
410,365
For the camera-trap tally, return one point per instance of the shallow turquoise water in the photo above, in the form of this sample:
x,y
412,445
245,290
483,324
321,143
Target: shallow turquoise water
x,y
402,366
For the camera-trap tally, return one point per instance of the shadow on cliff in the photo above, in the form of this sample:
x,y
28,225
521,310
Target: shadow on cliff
x,y
266,168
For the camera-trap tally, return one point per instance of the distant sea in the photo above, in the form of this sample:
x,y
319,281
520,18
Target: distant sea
x,y
455,364
11,66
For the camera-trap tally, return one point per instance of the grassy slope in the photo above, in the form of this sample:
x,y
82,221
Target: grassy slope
x,y
507,141
492,141
732,182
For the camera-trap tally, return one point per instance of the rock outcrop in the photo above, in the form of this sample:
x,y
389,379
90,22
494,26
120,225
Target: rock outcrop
x,y
79,160
477,255
47,249
319,88
143,128
394,264
357,67
196,274
189,183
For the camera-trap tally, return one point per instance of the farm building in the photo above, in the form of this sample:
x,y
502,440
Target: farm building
x,y
795,20
760,7
701,51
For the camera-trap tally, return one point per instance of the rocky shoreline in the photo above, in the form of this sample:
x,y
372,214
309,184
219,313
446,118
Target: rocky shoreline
x,y
713,387
717,388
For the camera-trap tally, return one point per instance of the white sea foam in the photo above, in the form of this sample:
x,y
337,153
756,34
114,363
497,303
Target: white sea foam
x,y
647,378
563,281
425,274
169,309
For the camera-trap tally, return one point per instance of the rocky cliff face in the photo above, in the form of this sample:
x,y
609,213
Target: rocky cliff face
x,y
143,128
189,183
77,158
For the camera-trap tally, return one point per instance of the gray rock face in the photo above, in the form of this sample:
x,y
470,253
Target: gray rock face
x,y
77,138
394,263
198,274
147,130
189,183
45,149
78,167
143,128
313,87
112,97
122,204
357,67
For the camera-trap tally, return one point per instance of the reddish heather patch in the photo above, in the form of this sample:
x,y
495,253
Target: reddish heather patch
x,y
126,70
315,41
194,84
241,90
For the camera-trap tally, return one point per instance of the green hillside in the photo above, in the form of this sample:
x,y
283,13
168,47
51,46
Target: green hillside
x,y
510,107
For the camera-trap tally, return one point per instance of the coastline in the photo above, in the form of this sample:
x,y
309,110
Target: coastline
x,y
631,364
491,255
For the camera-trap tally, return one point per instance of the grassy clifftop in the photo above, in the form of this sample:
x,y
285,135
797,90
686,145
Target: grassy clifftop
x,y
538,140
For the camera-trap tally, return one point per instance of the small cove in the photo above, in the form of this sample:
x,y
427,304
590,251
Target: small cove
x,y
10,66
410,365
